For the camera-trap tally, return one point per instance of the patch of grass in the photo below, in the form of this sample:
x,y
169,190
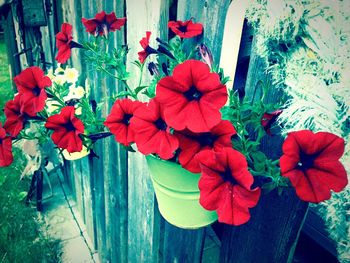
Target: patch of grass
x,y
6,92
23,236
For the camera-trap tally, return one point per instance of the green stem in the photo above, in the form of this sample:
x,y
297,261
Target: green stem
x,y
141,73
58,99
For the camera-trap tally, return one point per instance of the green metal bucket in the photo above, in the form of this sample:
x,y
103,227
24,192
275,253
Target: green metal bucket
x,y
178,195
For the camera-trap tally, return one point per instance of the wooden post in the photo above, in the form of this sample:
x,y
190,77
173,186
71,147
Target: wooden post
x,y
273,230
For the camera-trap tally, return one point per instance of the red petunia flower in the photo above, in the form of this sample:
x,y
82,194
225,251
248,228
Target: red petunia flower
x,y
103,23
268,119
15,117
6,157
311,162
186,29
193,143
66,129
192,97
147,50
225,185
31,84
152,134
119,119
64,43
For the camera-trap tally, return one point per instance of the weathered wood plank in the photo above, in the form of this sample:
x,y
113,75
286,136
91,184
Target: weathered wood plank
x,y
172,248
70,11
115,162
181,245
212,14
232,38
270,235
97,164
275,224
79,190
10,40
89,206
142,218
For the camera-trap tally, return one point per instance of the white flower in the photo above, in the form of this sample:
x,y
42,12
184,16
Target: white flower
x,y
71,75
78,110
78,92
59,80
59,70
75,93
51,106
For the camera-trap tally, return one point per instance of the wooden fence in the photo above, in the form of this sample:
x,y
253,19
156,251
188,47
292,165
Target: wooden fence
x,y
114,193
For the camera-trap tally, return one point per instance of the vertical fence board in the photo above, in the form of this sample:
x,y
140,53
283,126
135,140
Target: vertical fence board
x,y
87,198
212,14
89,9
115,162
182,245
11,44
143,215
79,190
178,245
232,38
273,230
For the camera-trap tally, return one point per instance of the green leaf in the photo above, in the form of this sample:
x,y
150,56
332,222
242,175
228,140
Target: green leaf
x,y
137,63
139,88
123,94
268,187
21,196
258,156
2,179
225,80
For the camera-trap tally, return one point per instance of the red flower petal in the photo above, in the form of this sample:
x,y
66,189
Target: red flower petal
x,y
31,84
90,25
119,118
152,134
6,157
14,117
66,129
192,97
186,29
311,162
225,185
191,144
103,23
101,16
144,42
63,54
63,41
268,119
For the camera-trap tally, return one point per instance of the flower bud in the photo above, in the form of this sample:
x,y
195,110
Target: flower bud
x,y
206,55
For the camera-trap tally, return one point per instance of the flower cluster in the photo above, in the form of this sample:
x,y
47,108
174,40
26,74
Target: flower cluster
x,y
190,118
